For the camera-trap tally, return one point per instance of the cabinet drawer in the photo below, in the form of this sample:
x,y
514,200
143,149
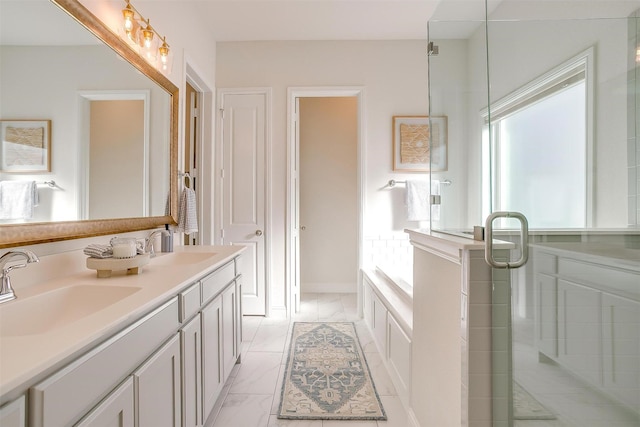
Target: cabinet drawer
x,y
214,283
189,302
65,396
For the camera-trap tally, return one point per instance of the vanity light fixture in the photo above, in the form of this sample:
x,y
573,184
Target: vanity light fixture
x,y
142,37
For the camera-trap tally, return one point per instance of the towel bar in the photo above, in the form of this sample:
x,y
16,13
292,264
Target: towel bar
x,y
393,182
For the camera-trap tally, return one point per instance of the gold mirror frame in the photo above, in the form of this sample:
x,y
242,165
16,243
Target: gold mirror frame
x,y
33,233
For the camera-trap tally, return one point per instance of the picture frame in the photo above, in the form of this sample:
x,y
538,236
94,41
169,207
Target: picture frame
x,y
25,146
412,151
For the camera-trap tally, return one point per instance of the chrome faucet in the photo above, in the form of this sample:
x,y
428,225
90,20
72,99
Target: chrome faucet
x,y
148,242
6,291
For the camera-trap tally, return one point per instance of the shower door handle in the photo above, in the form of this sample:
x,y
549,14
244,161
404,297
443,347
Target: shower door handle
x,y
524,240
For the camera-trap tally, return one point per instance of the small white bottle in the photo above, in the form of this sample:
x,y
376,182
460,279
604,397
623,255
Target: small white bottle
x,y
166,242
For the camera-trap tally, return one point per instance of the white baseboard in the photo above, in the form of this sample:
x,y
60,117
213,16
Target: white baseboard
x,y
328,287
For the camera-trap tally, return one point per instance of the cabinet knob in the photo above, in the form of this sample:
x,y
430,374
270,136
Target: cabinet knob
x,y
258,232
304,227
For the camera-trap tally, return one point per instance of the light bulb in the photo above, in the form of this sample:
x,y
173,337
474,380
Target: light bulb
x,y
166,58
149,43
128,14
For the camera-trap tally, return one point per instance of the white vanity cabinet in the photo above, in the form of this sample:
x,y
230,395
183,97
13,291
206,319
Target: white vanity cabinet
x,y
166,369
588,317
64,397
13,414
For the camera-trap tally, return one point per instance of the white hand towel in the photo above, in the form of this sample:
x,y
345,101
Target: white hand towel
x,y
417,200
187,219
17,199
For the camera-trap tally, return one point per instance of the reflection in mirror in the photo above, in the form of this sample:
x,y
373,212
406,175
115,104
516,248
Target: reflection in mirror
x,y
110,130
107,163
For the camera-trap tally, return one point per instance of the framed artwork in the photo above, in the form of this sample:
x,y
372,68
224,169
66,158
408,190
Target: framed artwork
x,y
26,146
411,149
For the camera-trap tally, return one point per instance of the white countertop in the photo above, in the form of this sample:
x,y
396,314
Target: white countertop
x,y
27,359
615,255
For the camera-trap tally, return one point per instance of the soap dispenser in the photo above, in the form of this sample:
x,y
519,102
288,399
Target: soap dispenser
x,y
166,243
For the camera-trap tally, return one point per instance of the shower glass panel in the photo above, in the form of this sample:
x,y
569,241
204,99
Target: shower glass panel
x,y
543,105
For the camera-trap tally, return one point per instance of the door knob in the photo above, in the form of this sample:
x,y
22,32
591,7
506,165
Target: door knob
x,y
258,232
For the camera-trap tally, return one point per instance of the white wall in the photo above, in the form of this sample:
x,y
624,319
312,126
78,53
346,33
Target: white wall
x,y
394,75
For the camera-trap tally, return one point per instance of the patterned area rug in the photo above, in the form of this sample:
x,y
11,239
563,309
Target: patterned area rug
x,y
327,377
526,407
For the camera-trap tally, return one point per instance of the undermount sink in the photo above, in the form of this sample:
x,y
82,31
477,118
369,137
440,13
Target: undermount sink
x,y
181,258
60,307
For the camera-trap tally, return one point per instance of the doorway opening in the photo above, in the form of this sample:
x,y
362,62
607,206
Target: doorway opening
x,y
114,130
324,161
198,151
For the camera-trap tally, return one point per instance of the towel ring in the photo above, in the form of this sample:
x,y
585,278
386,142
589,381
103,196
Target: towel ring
x,y
188,177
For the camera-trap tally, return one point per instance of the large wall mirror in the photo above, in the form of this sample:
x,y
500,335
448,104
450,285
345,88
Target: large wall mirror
x,y
87,120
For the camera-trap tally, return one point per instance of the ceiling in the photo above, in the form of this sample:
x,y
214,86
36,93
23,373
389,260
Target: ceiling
x,y
241,20
244,20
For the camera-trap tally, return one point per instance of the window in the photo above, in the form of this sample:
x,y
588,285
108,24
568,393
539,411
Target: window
x,y
536,149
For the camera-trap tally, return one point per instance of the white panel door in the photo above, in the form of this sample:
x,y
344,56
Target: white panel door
x,y
244,134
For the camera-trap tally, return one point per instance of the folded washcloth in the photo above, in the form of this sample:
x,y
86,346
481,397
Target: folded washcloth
x,y
95,250
187,220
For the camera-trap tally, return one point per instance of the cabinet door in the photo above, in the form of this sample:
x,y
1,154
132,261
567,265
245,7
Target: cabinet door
x,y
239,316
380,325
399,355
229,348
579,330
546,322
115,411
211,354
191,341
367,305
13,414
157,387
621,348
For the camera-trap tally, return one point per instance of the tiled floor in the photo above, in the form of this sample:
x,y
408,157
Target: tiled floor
x,y
252,394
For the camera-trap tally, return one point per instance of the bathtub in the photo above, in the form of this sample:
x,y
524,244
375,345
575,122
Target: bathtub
x,y
399,277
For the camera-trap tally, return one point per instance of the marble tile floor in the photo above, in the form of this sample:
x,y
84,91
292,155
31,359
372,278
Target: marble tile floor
x,y
252,395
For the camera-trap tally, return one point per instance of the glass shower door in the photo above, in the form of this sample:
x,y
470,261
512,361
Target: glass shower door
x,y
560,148
543,106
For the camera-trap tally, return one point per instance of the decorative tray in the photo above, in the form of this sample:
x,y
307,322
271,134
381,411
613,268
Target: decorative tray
x,y
105,266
